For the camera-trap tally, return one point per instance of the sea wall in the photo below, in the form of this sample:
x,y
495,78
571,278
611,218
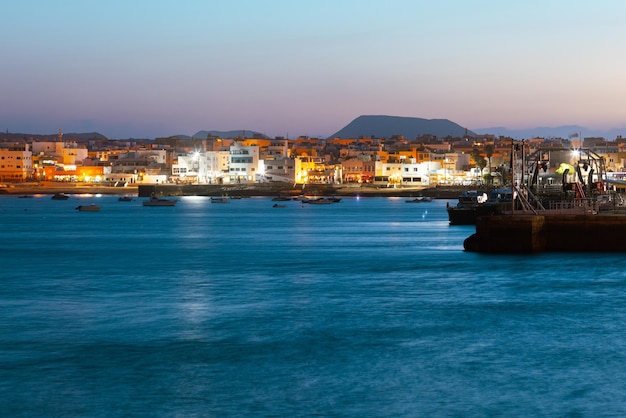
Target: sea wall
x,y
252,189
275,189
548,233
243,189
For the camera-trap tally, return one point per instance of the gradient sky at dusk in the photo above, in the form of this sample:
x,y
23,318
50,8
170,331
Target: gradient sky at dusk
x,y
148,68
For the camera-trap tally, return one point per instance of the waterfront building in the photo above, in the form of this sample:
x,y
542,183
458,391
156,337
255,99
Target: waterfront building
x,y
315,170
452,168
65,153
244,163
388,174
416,174
92,173
73,173
217,166
16,163
208,167
359,170
139,166
279,169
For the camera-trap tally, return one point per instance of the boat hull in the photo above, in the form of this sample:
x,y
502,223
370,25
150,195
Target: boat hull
x,y
88,208
468,215
161,203
156,201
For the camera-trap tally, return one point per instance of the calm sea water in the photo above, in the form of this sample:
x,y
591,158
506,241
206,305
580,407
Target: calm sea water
x,y
368,307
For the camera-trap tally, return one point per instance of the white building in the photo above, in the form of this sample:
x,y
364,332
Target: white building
x,y
244,163
418,174
405,173
139,166
210,167
279,169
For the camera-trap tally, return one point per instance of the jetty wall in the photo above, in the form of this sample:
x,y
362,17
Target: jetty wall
x,y
548,233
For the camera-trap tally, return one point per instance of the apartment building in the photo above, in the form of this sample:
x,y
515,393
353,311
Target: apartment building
x,y
16,163
208,167
244,164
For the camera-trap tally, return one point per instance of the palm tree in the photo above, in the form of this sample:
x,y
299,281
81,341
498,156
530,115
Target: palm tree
x,y
478,159
489,148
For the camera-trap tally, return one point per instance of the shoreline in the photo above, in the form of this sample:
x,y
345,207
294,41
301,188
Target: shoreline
x,y
247,190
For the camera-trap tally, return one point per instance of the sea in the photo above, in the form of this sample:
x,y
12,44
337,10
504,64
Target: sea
x,y
368,307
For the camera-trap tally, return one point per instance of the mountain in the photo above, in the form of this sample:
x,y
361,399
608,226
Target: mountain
x,y
227,134
387,126
564,131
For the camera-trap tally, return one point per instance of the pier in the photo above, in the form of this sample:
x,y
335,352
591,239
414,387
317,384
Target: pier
x,y
529,233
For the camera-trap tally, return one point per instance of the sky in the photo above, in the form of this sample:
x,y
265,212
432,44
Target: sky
x,y
153,68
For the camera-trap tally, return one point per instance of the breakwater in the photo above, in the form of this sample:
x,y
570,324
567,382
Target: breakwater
x,y
525,233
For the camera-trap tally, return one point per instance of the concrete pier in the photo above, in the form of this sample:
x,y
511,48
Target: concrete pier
x,y
527,233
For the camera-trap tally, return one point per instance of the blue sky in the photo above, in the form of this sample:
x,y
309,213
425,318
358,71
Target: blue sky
x,y
288,67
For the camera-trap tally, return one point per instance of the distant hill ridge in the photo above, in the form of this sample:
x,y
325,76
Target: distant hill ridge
x,y
382,126
227,134
564,131
67,136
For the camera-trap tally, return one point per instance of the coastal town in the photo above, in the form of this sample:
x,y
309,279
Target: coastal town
x,y
396,162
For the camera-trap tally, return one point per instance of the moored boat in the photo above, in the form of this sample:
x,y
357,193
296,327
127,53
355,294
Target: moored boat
x,y
60,196
473,204
470,204
320,201
157,201
88,208
125,199
420,199
221,199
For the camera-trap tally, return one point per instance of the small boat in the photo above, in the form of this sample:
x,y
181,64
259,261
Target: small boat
x,y
88,208
281,199
320,201
125,199
157,201
60,196
276,205
420,199
25,196
219,199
